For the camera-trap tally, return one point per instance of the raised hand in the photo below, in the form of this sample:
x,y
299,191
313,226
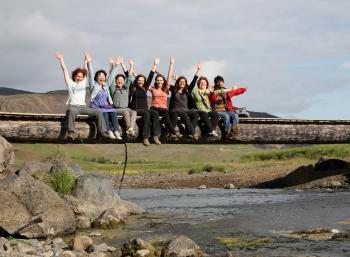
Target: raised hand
x,y
88,57
131,62
156,61
110,61
199,66
119,60
172,60
173,76
59,56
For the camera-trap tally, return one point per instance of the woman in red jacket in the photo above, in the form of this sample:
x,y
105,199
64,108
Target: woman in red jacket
x,y
222,104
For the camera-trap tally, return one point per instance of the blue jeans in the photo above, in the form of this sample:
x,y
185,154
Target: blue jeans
x,y
229,119
111,119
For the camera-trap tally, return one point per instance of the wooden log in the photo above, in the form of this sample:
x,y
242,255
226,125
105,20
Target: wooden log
x,y
44,128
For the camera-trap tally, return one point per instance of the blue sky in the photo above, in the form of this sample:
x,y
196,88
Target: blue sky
x,y
293,55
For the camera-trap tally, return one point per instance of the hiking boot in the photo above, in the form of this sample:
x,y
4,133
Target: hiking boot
x,y
117,135
234,132
111,135
156,140
71,135
172,135
190,136
178,134
146,142
130,132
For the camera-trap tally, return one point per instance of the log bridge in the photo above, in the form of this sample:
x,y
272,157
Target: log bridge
x,y
50,128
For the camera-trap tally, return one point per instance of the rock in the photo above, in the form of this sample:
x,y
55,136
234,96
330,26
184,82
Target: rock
x,y
5,247
229,186
85,211
95,234
59,243
7,157
336,184
182,246
66,254
47,254
111,249
100,191
25,248
108,219
97,254
32,209
142,253
82,243
341,237
131,247
325,163
33,167
202,187
101,248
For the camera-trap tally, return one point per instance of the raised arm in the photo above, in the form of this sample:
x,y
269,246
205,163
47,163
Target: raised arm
x,y
194,80
111,64
90,70
60,57
151,74
113,72
126,72
170,71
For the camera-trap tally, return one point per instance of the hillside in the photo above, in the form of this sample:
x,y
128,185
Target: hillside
x,y
12,100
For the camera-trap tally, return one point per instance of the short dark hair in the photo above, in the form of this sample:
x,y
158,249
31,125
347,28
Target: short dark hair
x,y
120,75
78,70
217,79
98,73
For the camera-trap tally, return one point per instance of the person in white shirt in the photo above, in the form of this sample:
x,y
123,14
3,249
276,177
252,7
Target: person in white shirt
x,y
76,100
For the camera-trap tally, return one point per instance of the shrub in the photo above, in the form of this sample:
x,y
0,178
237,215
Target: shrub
x,y
194,171
208,168
63,181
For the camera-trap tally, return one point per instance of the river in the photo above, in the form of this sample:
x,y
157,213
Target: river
x,y
244,214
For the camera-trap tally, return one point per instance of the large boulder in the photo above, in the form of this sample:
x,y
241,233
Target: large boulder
x,y
7,157
100,191
137,248
182,246
32,209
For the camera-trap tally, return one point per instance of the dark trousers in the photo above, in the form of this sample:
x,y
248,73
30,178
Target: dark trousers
x,y
165,118
189,118
148,118
111,121
210,120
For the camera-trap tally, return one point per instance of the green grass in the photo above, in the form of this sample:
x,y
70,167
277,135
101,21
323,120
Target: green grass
x,y
109,159
63,182
309,152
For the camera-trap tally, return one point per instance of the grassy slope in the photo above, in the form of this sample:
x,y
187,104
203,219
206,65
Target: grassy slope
x,y
108,159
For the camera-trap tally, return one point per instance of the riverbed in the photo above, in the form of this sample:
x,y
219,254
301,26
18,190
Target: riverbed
x,y
256,221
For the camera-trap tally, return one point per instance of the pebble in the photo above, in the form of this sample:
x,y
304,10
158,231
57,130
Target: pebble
x,y
202,187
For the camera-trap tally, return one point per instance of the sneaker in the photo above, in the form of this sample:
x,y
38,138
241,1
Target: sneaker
x,y
130,132
213,134
234,132
120,131
117,135
111,135
146,142
71,135
156,140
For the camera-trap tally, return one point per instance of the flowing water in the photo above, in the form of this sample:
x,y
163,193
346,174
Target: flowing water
x,y
246,214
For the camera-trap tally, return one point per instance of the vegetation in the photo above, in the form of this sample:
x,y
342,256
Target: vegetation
x,y
237,242
63,181
309,152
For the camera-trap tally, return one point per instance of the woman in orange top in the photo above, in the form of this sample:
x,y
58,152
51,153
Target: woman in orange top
x,y
160,93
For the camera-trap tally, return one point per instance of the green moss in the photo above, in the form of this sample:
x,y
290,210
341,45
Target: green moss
x,y
236,242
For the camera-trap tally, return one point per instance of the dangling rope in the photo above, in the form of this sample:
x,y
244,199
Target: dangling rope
x,y
125,163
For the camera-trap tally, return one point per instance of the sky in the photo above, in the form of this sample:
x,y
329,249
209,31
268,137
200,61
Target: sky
x,y
294,56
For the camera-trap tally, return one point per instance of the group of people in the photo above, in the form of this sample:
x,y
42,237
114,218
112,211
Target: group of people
x,y
126,94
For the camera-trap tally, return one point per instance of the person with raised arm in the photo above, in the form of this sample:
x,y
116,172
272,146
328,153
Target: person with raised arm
x,y
201,94
160,92
222,104
139,103
120,94
101,98
76,99
181,101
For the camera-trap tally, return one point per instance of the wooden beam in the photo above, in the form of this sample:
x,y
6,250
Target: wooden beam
x,y
50,128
